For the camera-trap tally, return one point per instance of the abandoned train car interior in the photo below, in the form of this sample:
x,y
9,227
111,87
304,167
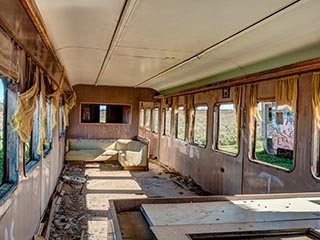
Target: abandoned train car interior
x,y
159,119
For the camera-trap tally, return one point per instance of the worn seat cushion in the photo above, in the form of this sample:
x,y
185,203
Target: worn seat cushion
x,y
83,155
128,152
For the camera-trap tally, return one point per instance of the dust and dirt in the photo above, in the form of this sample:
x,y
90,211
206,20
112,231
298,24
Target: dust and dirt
x,y
81,211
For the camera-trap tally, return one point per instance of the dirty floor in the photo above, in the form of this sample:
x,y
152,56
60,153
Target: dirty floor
x,y
82,211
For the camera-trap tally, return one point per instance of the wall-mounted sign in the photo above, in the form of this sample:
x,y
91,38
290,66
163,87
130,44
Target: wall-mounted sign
x,y
226,92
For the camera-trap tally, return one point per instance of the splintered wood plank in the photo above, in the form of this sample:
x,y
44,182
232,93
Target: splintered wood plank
x,y
230,212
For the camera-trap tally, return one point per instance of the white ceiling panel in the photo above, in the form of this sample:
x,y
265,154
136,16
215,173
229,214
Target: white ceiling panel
x,y
188,25
78,30
183,27
81,64
130,65
83,23
155,37
288,32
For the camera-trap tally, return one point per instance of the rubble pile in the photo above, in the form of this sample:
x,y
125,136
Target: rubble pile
x,y
69,220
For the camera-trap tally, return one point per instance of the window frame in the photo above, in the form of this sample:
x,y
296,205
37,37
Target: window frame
x,y
252,155
108,123
141,117
49,131
315,150
62,131
215,136
147,122
165,110
177,124
153,120
10,155
191,140
34,139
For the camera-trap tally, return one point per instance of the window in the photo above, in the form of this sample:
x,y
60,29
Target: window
x,y
167,123
226,128
155,120
61,124
148,118
102,114
105,113
275,135
315,166
31,155
200,125
181,123
27,151
8,152
48,141
141,117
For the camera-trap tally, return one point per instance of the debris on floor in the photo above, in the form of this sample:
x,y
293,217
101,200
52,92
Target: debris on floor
x,y
183,181
81,203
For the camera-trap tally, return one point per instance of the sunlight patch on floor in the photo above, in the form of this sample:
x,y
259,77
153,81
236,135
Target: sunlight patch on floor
x,y
97,228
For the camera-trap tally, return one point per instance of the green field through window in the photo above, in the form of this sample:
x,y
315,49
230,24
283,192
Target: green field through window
x,y
227,129
200,125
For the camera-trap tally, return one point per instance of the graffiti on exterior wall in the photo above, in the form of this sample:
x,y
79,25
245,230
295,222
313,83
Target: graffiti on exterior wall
x,y
283,136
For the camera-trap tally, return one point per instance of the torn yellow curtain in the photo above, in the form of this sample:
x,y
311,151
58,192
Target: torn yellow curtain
x,y
190,116
22,119
237,95
287,92
175,105
70,102
166,102
316,97
54,111
254,113
54,101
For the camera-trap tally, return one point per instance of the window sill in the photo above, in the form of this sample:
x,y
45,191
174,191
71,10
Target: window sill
x,y
47,149
235,155
5,190
31,165
269,165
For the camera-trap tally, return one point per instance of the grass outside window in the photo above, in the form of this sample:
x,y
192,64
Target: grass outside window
x,y
227,129
275,135
200,125
181,123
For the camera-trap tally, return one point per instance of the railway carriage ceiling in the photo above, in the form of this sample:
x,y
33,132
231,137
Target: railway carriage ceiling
x,y
169,43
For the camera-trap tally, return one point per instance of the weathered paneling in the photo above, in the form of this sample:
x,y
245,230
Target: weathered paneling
x,y
259,178
18,25
9,56
216,172
222,173
21,212
116,95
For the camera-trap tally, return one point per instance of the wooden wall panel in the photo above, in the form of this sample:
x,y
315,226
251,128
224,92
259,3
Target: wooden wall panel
x,y
116,95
